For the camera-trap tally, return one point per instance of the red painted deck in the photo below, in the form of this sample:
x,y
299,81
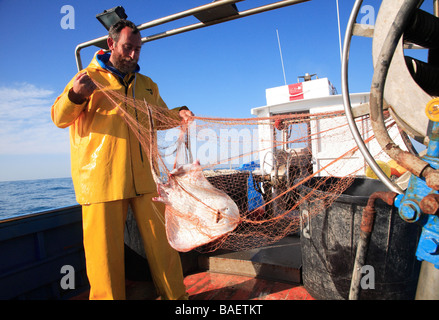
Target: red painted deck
x,y
218,286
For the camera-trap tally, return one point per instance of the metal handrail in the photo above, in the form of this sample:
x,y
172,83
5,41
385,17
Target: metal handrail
x,y
183,14
348,108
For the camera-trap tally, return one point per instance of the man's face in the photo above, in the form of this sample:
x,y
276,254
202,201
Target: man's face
x,y
125,52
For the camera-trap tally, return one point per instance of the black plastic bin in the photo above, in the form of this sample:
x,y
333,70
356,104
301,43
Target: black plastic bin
x,y
329,243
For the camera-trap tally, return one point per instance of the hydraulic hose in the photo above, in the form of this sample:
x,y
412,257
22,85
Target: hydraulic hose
x,y
424,74
423,29
406,159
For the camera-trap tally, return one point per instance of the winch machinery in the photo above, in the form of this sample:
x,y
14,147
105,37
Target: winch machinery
x,y
408,88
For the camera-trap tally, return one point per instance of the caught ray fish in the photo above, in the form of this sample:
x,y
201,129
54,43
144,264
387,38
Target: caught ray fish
x,y
196,212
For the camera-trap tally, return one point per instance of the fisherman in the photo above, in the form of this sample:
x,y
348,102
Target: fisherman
x,y
110,171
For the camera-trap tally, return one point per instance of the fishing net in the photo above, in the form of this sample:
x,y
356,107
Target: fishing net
x,y
239,183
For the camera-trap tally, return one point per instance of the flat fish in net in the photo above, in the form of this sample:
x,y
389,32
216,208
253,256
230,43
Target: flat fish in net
x,y
196,212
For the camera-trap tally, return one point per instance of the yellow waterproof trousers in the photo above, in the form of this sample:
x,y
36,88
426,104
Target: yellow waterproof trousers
x,y
104,225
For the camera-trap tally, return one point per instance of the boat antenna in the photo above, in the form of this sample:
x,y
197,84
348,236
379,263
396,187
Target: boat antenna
x,y
339,32
281,58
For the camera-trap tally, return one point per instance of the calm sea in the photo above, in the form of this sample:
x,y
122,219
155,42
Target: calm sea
x,y
30,196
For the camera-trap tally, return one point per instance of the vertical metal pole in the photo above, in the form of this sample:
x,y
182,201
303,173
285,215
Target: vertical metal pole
x,y
281,57
339,31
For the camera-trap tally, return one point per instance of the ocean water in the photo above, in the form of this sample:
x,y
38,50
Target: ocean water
x,y
31,196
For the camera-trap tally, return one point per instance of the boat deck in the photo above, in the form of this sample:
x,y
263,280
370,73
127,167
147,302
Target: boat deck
x,y
267,273
217,286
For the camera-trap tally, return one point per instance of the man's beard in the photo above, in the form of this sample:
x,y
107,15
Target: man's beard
x,y
125,65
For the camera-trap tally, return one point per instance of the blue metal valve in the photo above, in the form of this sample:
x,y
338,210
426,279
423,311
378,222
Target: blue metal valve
x,y
409,205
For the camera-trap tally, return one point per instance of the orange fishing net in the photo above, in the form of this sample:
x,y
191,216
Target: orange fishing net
x,y
238,183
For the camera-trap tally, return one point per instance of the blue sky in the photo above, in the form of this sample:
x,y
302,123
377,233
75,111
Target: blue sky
x,y
221,70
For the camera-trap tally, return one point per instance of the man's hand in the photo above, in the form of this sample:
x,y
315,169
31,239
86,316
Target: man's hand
x,y
185,114
83,87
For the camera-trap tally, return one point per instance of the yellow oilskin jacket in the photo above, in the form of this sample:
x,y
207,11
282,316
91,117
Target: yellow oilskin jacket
x,y
107,161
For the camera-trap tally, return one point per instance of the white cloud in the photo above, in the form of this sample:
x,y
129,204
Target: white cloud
x,y
25,123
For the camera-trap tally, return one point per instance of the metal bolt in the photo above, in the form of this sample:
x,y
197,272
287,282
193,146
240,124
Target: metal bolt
x,y
409,211
434,109
430,204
